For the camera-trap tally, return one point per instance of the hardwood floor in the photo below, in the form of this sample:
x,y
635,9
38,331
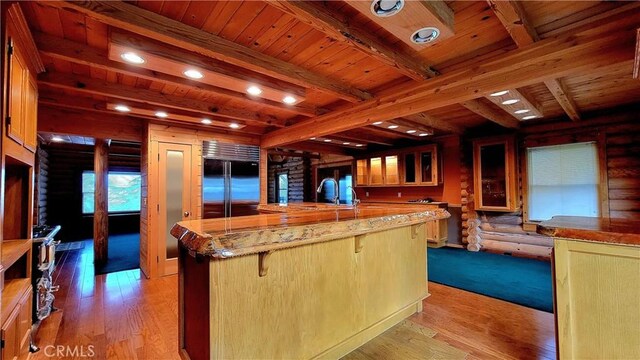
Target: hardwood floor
x,y
125,316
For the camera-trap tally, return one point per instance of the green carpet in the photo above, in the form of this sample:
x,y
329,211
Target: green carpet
x,y
518,280
124,253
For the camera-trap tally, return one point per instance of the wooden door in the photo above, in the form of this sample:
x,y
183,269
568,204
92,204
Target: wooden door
x,y
31,114
174,200
18,73
10,350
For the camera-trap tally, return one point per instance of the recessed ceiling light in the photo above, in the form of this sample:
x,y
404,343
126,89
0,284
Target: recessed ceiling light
x,y
346,143
327,140
499,93
234,126
423,134
392,127
510,102
529,117
254,90
193,74
205,121
410,131
57,139
524,111
385,8
377,123
312,138
425,35
132,58
161,114
359,145
122,108
289,100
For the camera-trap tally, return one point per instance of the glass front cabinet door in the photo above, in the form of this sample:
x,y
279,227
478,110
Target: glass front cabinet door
x,y
362,172
391,171
410,174
429,166
375,171
494,174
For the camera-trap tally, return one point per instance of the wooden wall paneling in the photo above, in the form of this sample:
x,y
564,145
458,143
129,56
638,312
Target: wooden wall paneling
x,y
264,182
145,212
464,84
636,63
146,23
41,187
101,209
603,190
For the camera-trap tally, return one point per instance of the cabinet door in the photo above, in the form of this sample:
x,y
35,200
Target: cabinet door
x,y
24,323
409,173
494,170
10,350
16,94
375,171
362,172
429,166
31,114
391,172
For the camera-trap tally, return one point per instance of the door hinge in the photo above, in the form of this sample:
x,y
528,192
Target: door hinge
x,y
158,157
157,259
2,343
10,48
158,207
8,120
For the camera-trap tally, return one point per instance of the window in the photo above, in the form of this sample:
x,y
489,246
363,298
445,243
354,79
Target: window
x,y
563,180
123,189
283,188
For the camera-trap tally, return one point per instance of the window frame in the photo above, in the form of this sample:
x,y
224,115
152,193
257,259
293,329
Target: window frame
x,y
125,172
544,140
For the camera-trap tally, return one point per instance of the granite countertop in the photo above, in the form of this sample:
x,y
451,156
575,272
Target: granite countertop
x,y
222,238
606,230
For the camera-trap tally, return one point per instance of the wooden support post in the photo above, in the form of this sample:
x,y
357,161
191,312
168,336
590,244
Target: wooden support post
x,y
101,210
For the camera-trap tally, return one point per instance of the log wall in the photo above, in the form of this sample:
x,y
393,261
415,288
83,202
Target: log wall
x,y
41,184
299,173
620,198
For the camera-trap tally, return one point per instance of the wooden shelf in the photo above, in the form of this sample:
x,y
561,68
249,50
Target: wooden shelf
x,y
12,250
13,291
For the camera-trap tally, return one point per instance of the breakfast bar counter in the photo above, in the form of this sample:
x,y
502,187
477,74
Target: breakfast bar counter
x,y
315,282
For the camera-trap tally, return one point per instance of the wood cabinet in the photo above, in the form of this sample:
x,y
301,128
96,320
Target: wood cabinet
x,y
16,328
597,290
495,174
418,166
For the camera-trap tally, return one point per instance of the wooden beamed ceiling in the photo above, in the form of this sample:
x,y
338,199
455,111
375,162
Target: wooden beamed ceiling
x,y
347,70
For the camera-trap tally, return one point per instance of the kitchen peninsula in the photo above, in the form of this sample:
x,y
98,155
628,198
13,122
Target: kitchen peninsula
x,y
304,283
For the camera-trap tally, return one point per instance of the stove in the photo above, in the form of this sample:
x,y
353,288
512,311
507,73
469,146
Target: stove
x,y
44,264
425,200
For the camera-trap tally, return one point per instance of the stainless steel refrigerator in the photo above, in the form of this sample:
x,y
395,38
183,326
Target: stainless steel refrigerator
x,y
231,180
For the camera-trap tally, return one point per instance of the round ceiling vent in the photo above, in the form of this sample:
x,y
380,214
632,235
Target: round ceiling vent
x,y
384,8
425,35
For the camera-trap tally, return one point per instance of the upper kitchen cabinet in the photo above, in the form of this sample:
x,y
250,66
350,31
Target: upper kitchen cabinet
x,y
417,166
495,177
22,64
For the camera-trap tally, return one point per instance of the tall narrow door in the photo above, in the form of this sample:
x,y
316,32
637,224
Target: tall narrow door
x,y
174,175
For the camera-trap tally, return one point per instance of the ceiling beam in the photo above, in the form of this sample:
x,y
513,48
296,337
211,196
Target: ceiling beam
x,y
574,53
488,112
320,148
86,123
335,25
146,23
294,154
514,19
52,99
92,86
62,49
367,138
434,123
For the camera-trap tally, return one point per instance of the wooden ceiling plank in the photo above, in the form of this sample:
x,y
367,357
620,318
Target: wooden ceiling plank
x,y
58,48
572,53
158,27
514,19
497,116
434,123
368,139
98,87
335,25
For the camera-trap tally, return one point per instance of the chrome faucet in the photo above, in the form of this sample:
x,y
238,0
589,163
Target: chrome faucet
x,y
355,200
336,198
